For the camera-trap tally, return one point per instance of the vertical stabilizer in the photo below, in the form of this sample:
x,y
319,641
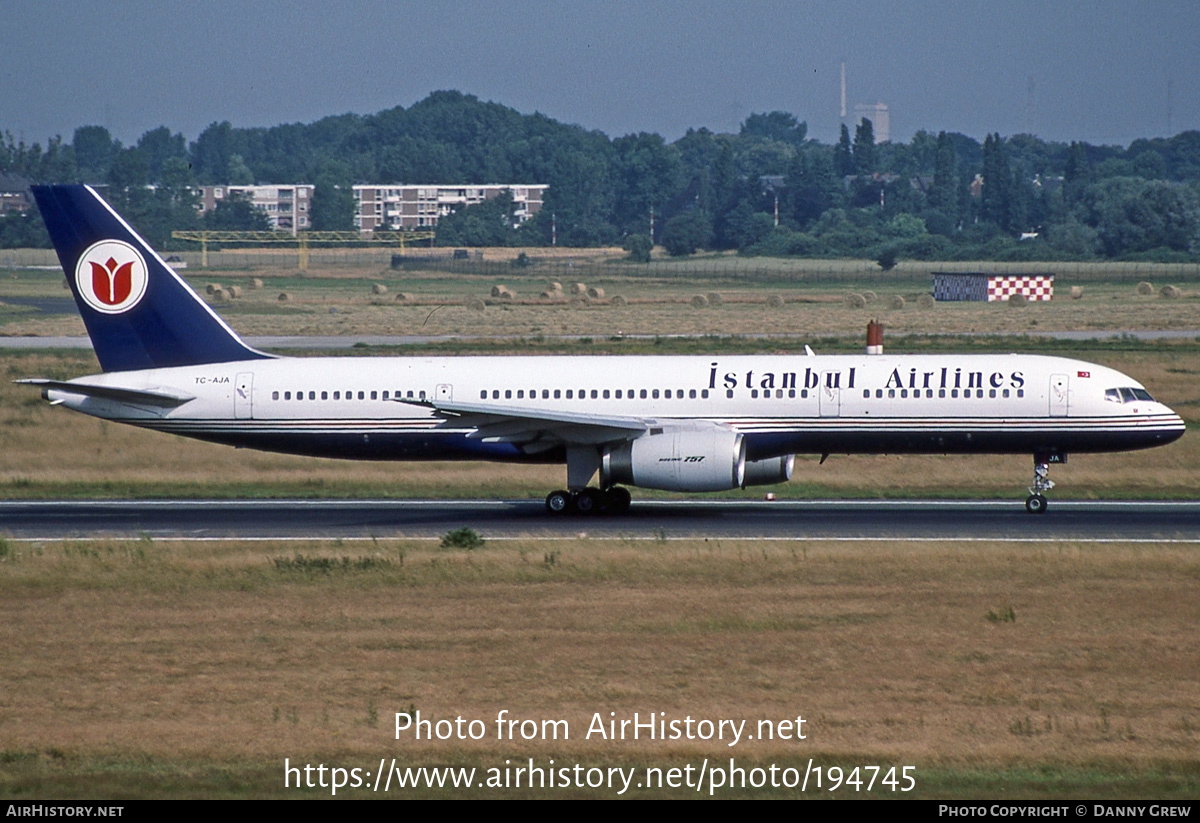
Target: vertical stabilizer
x,y
138,312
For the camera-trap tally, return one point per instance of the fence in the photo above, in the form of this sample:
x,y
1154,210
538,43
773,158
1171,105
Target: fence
x,y
568,265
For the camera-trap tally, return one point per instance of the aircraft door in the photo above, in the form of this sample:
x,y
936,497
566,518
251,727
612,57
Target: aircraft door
x,y
445,391
243,396
829,394
1060,395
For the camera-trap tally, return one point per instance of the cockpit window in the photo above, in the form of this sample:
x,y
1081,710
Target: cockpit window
x,y
1127,395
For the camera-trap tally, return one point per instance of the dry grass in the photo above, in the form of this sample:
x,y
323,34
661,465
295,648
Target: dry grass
x,y
958,659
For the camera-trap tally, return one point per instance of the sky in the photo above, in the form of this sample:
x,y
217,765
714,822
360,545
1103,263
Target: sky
x,y
1099,71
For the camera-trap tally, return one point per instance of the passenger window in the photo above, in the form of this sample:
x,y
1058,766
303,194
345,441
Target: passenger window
x,y
495,394
520,394
558,394
570,394
287,395
667,394
704,393
618,394
274,395
337,395
483,394
754,394
654,394
866,393
904,392
606,394
643,394
729,392
545,394
508,394
594,394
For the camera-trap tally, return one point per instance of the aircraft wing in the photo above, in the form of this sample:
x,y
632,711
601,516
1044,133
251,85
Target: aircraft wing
x,y
530,426
164,398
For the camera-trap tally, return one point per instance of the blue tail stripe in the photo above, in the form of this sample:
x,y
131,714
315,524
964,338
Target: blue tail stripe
x,y
169,326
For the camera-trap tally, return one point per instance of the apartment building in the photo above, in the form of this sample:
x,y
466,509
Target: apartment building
x,y
402,206
287,207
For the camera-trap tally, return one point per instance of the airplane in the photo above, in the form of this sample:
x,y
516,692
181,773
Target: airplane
x,y
677,423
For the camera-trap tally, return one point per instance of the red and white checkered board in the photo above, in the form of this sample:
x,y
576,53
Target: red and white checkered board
x,y
1034,288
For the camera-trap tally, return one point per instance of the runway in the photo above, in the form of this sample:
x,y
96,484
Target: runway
x,y
1088,521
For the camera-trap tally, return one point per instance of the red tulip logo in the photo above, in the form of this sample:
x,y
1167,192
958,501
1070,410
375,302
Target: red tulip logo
x,y
111,276
112,283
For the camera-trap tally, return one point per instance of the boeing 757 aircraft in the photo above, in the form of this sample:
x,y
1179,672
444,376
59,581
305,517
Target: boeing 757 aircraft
x,y
692,424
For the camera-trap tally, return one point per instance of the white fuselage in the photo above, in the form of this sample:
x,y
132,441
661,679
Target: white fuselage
x,y
782,404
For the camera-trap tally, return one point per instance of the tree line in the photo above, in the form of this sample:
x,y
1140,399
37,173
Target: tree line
x,y
766,190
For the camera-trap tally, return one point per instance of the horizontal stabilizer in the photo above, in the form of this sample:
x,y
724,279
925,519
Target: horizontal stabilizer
x,y
164,398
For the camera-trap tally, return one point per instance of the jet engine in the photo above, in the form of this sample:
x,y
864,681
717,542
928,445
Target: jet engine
x,y
695,459
769,472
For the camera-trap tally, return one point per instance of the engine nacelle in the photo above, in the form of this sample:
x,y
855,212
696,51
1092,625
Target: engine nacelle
x,y
770,471
701,459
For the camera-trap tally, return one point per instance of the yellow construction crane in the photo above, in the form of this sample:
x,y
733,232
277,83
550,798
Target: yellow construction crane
x,y
302,239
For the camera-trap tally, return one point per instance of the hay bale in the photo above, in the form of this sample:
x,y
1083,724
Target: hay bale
x,y
499,289
284,297
1076,292
476,304
579,288
595,293
926,301
895,302
1017,300
404,297
699,301
1171,293
210,288
854,300
715,298
1144,288
255,283
554,286
219,295
235,292
775,301
379,288
619,301
870,296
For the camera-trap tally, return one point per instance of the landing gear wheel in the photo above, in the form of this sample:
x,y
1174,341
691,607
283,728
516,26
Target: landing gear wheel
x,y
619,500
1035,504
559,502
589,501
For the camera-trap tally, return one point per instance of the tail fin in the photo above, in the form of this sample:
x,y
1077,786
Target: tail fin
x,y
139,313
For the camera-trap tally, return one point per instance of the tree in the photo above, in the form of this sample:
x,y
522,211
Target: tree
x,y
686,232
639,247
843,160
94,152
236,213
776,125
865,156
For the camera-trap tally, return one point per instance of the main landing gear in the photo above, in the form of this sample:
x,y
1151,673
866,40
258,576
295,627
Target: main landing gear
x,y
613,500
1036,502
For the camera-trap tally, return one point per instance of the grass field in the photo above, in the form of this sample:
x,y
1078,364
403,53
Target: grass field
x,y
1003,670
187,669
